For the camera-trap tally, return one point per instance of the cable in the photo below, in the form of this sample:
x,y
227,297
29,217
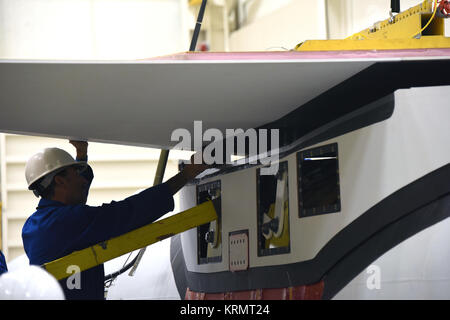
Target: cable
x,y
270,48
429,21
109,279
198,25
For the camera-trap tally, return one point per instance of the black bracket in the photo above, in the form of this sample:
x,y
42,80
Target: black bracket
x,y
395,6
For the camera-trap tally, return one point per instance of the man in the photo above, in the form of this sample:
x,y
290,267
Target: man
x,y
3,266
63,223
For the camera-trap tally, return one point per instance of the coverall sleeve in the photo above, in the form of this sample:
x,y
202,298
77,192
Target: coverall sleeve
x,y
3,266
87,225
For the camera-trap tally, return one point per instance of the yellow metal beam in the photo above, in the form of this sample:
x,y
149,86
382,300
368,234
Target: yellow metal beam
x,y
374,44
136,239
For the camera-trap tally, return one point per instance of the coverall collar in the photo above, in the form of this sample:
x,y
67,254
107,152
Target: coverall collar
x,y
43,203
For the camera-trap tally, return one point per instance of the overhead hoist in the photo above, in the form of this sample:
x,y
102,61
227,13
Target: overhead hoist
x,y
420,27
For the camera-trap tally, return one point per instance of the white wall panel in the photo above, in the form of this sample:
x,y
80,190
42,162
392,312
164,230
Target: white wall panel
x,y
285,27
89,29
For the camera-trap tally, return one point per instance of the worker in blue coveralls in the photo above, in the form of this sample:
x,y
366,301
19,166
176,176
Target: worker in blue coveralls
x,y
63,223
3,266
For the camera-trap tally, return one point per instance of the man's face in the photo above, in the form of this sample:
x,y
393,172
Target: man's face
x,y
76,186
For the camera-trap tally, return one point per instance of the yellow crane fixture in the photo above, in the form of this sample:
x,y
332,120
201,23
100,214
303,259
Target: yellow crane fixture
x,y
419,27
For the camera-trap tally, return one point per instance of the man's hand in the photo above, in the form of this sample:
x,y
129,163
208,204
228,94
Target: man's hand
x,y
81,147
189,172
192,170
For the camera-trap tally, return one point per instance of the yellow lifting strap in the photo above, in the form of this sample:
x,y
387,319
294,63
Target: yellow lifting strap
x,y
133,240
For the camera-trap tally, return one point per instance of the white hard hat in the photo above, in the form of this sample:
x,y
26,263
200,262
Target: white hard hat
x,y
30,283
46,164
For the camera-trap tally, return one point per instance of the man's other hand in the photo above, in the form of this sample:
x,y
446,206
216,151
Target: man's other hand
x,y
81,147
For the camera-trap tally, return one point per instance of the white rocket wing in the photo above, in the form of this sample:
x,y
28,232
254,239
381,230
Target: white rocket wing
x,y
143,102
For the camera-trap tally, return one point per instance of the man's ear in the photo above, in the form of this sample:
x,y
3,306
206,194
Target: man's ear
x,y
59,180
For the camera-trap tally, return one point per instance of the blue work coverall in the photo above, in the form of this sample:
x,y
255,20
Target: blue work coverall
x,y
56,230
3,266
